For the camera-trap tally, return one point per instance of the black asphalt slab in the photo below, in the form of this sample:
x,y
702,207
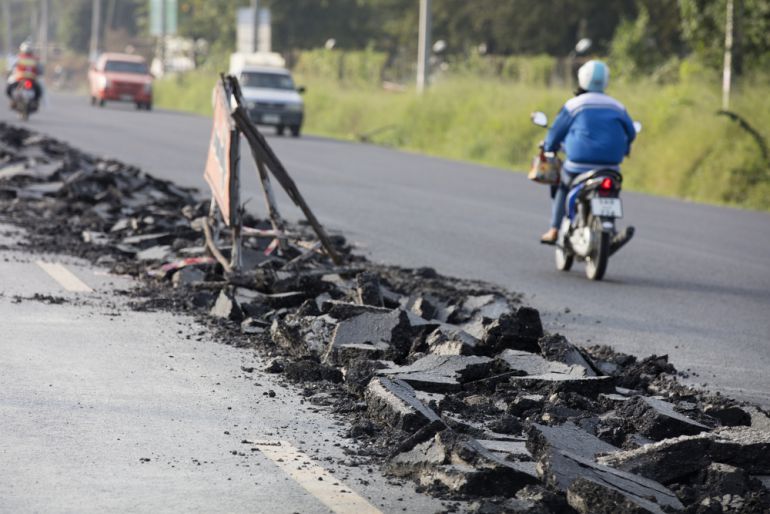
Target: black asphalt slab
x,y
694,283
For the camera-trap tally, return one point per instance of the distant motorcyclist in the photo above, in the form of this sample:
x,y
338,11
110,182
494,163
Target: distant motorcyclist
x,y
596,132
26,66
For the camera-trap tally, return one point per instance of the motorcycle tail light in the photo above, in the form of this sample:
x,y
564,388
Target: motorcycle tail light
x,y
27,84
606,187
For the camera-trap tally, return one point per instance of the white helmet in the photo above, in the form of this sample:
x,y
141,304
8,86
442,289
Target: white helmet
x,y
25,47
594,76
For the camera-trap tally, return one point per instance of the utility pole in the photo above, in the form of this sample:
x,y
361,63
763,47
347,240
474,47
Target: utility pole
x,y
423,46
7,22
43,36
163,5
728,61
254,25
95,23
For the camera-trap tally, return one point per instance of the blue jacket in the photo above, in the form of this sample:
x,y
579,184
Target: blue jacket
x,y
596,131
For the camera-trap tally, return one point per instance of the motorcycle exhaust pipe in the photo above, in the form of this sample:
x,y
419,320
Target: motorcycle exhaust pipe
x,y
620,239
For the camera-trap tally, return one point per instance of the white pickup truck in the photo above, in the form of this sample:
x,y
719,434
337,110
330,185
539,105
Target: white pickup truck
x,y
268,88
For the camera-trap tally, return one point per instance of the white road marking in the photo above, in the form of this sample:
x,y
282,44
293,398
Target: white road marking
x,y
64,277
315,479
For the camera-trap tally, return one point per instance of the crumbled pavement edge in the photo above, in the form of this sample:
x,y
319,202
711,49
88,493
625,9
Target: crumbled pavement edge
x,y
451,383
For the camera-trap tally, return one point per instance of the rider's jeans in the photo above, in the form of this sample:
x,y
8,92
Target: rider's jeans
x,y
558,208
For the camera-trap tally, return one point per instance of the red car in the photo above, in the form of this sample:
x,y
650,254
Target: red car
x,y
121,78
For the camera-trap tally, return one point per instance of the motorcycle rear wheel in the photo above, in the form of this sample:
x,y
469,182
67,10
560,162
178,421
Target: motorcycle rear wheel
x,y
596,263
563,259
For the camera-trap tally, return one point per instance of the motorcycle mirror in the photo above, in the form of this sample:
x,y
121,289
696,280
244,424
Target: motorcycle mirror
x,y
637,126
539,118
583,45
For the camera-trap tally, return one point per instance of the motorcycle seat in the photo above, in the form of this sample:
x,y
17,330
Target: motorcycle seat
x,y
599,172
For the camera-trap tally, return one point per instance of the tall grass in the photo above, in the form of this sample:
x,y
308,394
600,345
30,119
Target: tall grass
x,y
685,150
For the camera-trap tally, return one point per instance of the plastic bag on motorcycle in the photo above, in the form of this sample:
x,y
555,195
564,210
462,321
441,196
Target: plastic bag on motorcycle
x,y
546,169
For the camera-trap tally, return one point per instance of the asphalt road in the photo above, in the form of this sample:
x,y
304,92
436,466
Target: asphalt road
x,y
108,409
693,284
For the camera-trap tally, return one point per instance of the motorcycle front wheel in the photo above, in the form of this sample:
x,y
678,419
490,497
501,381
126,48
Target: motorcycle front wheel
x,y
596,263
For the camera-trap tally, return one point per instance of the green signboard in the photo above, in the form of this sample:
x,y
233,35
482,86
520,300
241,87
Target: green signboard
x,y
163,11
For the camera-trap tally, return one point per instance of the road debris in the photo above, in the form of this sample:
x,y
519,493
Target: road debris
x,y
452,383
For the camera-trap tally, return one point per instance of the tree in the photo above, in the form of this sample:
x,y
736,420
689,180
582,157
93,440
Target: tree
x,y
643,43
703,23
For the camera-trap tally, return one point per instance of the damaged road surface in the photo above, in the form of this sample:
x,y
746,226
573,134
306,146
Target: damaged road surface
x,y
699,295
454,386
108,409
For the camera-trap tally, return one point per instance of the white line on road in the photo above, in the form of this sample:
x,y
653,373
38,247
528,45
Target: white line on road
x,y
64,277
315,479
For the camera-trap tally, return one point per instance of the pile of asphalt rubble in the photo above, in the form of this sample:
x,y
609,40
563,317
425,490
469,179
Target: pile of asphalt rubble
x,y
451,383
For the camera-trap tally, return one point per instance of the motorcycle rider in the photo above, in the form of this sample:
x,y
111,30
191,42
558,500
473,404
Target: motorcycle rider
x,y
596,131
25,66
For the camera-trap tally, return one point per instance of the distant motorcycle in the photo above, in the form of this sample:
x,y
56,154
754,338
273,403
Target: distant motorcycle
x,y
587,232
23,98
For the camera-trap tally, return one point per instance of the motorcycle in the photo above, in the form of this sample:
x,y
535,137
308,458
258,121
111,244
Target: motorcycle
x,y
588,232
23,98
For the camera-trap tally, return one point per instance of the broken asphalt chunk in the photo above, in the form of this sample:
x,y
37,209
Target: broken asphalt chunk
x,y
518,330
188,276
557,348
590,387
368,289
460,464
567,437
303,336
600,488
372,334
674,458
226,307
534,364
394,403
442,373
657,419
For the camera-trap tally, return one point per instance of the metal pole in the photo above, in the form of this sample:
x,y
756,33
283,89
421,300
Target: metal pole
x,y
728,61
254,24
163,36
44,32
95,22
423,46
7,19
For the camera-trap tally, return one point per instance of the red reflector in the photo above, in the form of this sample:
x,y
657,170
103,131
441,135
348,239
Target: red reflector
x,y
27,84
606,184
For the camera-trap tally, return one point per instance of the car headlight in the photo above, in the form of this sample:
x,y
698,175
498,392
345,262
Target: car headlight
x,y
296,107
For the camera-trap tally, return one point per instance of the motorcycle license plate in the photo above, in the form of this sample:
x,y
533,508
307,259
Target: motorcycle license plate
x,y
607,207
271,118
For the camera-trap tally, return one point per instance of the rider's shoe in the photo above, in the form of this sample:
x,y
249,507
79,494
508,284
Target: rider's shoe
x,y
549,237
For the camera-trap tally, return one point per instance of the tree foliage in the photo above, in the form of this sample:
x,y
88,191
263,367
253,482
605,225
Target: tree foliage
x,y
703,28
639,34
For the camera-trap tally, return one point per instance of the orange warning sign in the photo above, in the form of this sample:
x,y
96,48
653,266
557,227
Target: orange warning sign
x,y
218,172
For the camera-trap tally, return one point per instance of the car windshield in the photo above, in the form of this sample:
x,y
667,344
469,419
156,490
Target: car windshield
x,y
126,67
266,80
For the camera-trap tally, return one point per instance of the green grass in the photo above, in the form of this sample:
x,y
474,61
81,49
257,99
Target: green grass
x,y
684,151
189,92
